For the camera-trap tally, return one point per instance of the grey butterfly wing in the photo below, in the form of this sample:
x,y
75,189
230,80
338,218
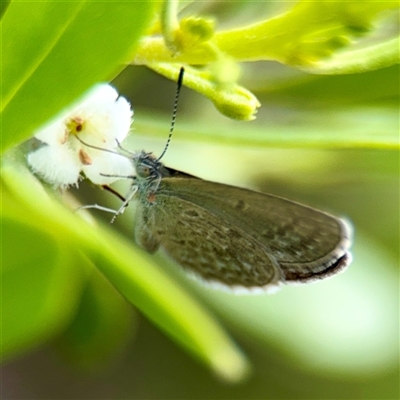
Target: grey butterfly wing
x,y
241,237
204,245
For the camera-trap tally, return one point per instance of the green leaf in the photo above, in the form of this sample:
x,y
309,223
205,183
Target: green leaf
x,y
310,36
102,328
306,33
3,6
132,272
56,50
41,285
369,58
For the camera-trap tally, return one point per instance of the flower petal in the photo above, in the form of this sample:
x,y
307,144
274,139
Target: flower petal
x,y
57,165
108,164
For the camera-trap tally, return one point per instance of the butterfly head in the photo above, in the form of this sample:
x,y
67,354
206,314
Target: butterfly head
x,y
148,172
146,165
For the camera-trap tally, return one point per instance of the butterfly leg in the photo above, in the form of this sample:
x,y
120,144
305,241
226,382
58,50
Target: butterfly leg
x,y
125,204
97,207
111,210
133,177
106,209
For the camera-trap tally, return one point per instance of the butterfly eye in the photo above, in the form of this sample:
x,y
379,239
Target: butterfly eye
x,y
143,171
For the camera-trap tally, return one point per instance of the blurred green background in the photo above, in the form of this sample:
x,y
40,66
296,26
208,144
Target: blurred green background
x,y
334,339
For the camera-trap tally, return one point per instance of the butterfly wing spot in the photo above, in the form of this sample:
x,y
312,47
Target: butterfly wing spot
x,y
234,233
199,244
240,205
191,213
151,198
300,239
178,241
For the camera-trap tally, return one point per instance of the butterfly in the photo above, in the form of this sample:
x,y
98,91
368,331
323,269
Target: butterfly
x,y
228,236
234,237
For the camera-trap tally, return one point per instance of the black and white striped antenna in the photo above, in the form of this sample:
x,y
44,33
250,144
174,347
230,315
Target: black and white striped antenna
x,y
174,111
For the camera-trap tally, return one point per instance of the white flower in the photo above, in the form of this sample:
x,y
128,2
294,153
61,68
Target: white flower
x,y
100,119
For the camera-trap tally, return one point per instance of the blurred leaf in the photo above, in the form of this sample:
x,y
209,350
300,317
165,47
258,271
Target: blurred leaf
x,y
308,36
131,272
41,285
101,329
372,57
56,50
316,93
3,6
335,129
303,35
